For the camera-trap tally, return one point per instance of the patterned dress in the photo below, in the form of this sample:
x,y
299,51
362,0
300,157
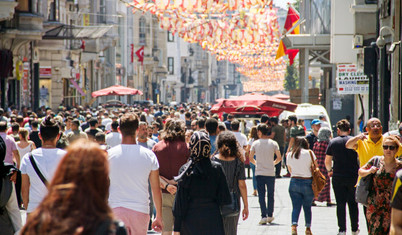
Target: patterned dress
x,y
319,150
379,207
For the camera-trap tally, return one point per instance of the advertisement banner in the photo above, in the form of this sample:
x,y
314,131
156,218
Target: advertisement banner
x,y
351,81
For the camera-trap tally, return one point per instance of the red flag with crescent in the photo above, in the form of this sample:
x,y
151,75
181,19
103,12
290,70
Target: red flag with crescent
x,y
140,54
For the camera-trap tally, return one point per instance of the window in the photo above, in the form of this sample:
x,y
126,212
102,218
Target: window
x,y
23,6
170,37
170,65
53,10
102,12
142,30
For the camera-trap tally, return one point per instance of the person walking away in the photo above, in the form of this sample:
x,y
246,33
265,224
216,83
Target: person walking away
x,y
34,135
202,189
319,149
278,134
46,159
10,218
301,193
173,141
312,136
114,137
77,199
343,165
131,165
240,137
379,199
264,150
230,158
253,136
211,126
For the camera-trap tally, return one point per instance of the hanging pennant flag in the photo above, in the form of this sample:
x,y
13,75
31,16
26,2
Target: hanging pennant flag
x,y
140,54
291,19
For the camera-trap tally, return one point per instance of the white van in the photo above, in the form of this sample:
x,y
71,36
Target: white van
x,y
308,112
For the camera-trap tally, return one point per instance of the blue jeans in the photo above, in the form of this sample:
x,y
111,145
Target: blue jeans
x,y
301,194
269,183
254,178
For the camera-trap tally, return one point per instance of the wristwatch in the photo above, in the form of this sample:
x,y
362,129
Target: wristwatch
x,y
166,186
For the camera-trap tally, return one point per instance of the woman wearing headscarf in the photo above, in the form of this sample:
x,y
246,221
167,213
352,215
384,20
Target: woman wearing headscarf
x,y
202,189
319,149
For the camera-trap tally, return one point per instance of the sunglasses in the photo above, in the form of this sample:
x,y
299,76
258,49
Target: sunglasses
x,y
390,147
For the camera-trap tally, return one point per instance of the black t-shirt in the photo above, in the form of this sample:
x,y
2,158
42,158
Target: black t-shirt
x,y
92,132
34,136
396,201
345,160
311,138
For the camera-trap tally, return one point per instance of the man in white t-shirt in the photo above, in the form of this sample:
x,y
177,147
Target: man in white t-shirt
x,y
47,159
114,137
240,137
131,166
264,150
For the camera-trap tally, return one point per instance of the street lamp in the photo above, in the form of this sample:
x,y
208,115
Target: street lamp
x,y
381,41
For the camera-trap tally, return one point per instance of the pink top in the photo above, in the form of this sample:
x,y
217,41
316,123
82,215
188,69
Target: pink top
x,y
10,146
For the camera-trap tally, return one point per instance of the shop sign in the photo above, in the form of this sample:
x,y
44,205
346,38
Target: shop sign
x,y
45,72
351,81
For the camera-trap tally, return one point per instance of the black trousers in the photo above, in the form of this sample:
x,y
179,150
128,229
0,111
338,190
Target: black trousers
x,y
279,165
344,190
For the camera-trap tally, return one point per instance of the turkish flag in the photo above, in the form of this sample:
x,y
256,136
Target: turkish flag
x,y
140,54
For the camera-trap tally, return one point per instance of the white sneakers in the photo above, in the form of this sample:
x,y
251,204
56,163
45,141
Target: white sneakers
x,y
353,233
266,220
356,233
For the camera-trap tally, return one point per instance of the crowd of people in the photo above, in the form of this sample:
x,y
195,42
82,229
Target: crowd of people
x,y
178,170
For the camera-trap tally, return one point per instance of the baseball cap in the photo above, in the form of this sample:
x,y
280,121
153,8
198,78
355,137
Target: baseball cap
x,y
315,122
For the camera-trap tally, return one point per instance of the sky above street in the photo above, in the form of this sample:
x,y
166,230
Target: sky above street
x,y
283,3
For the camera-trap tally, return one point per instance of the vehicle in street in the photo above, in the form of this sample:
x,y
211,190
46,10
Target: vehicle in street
x,y
111,104
308,112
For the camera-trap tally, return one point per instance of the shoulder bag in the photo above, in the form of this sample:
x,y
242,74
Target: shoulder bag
x,y
319,180
232,209
365,185
33,162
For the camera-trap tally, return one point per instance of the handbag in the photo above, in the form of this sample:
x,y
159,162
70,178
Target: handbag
x,y
319,179
365,186
232,209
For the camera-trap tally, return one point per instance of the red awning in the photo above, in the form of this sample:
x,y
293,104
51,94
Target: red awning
x,y
253,103
116,90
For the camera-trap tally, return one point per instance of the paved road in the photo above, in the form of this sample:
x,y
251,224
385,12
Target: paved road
x,y
324,218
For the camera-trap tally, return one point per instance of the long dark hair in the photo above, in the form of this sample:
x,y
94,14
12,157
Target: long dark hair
x,y
228,146
77,199
300,143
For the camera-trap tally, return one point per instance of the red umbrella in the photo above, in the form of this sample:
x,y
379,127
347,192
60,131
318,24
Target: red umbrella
x,y
254,103
281,96
116,90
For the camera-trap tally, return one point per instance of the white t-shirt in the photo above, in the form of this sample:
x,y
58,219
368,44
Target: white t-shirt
x,y
113,139
130,166
264,150
300,167
241,138
47,161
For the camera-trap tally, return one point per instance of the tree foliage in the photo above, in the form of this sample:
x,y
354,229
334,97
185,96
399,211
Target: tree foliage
x,y
291,78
